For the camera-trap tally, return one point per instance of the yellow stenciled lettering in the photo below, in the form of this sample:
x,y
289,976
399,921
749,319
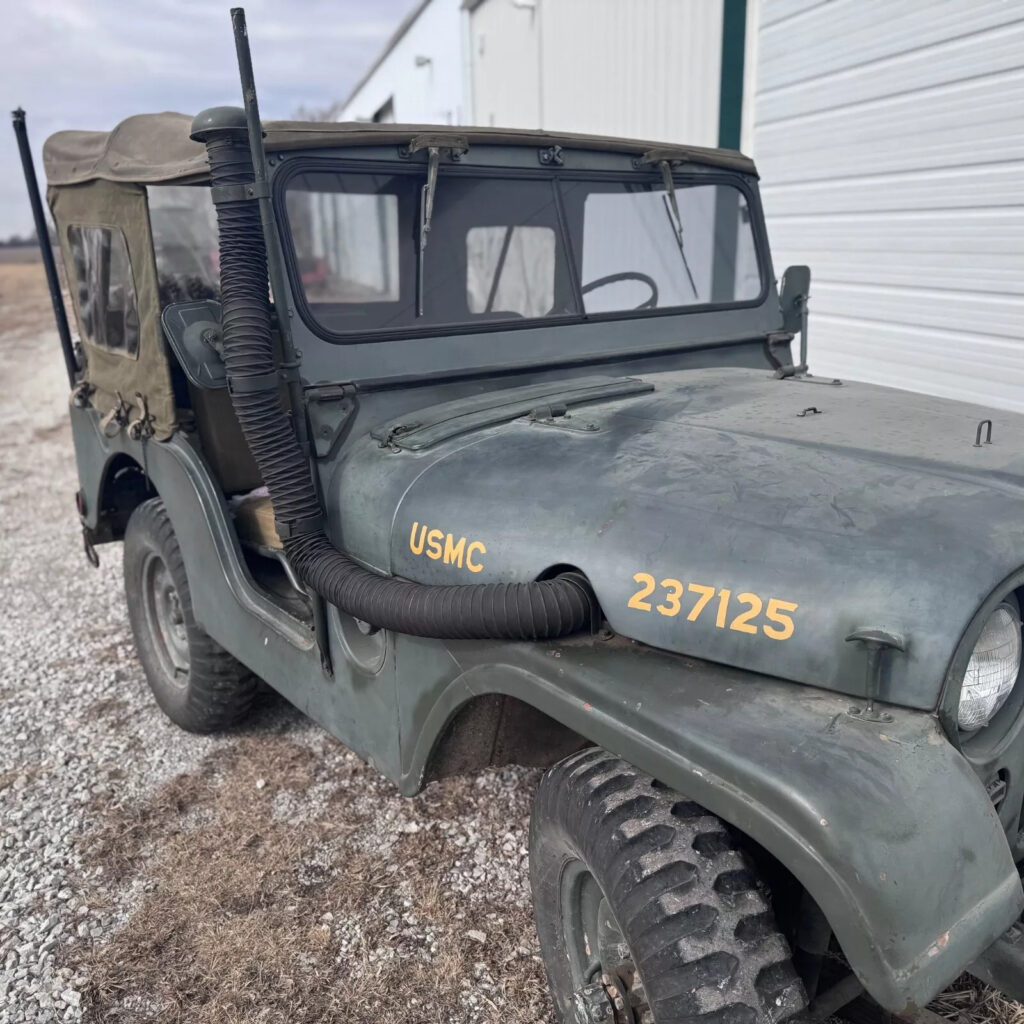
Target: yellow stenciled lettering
x,y
452,549
412,539
470,564
453,553
434,549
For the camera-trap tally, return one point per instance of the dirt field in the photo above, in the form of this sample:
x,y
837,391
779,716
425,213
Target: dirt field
x,y
263,876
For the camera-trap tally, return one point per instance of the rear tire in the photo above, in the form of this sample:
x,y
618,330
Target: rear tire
x,y
197,684
643,897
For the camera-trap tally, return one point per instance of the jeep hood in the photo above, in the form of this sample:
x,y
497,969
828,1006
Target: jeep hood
x,y
792,513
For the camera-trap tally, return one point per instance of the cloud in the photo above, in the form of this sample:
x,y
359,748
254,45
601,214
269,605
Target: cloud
x,y
91,63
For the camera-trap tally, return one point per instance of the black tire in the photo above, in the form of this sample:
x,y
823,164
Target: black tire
x,y
670,897
197,684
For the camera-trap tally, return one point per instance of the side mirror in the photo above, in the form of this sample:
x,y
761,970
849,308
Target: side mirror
x,y
193,331
796,287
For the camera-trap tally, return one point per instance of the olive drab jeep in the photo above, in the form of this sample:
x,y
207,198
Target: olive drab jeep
x,y
487,446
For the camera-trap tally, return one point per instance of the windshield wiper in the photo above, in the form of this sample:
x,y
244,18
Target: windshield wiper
x,y
675,220
426,216
433,144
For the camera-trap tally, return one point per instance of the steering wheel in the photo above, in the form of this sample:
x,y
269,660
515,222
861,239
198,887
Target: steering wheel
x,y
650,302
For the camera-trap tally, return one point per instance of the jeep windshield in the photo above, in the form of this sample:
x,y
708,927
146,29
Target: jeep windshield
x,y
512,249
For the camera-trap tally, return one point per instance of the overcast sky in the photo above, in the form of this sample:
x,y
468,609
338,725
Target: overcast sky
x,y
90,63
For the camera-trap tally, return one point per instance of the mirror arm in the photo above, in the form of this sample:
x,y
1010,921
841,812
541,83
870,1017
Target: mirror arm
x,y
802,303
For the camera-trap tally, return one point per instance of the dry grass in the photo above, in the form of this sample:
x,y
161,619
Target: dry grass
x,y
968,1000
25,300
246,917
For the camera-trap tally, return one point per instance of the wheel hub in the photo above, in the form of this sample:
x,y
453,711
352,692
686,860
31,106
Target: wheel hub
x,y
617,997
166,619
608,987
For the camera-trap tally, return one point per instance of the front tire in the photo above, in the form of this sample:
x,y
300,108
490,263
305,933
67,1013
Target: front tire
x,y
197,684
646,909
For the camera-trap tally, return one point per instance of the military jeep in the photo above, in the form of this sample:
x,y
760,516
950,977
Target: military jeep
x,y
487,446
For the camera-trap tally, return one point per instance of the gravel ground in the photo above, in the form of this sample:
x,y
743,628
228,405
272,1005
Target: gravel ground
x,y
267,875
113,823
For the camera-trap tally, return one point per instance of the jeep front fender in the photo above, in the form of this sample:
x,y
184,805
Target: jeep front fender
x,y
885,824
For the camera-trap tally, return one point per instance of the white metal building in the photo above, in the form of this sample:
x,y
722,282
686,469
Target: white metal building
x,y
890,139
647,68
889,135
419,76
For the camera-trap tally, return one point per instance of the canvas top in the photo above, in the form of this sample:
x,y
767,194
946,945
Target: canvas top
x,y
154,148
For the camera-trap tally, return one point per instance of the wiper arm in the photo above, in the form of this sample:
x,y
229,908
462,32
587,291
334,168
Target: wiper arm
x,y
426,216
433,144
674,218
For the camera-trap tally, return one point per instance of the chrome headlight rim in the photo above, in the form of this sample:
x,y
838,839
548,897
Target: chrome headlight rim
x,y
983,744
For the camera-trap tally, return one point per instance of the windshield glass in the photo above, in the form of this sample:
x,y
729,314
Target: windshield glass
x,y
511,249
641,250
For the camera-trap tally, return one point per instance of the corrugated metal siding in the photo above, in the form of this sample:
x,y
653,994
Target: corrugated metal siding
x,y
646,69
505,61
890,139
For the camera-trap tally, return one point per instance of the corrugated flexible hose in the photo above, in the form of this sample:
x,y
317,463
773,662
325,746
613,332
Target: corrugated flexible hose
x,y
485,611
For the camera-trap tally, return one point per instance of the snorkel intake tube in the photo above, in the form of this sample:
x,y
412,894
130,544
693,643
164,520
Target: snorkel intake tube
x,y
486,611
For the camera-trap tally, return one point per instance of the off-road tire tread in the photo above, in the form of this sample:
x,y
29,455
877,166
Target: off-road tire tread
x,y
220,690
688,900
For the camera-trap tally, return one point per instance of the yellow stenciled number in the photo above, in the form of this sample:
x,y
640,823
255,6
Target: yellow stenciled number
x,y
775,612
706,593
673,592
638,600
742,621
723,607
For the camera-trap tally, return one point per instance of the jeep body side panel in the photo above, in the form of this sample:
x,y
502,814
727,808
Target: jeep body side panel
x,y
356,704
885,824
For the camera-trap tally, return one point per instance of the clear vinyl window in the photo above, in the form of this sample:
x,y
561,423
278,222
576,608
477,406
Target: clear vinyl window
x,y
104,289
185,242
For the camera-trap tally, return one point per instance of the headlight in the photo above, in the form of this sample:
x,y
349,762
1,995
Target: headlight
x,y
993,668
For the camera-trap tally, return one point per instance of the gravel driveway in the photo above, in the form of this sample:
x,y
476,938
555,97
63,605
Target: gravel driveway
x,y
266,875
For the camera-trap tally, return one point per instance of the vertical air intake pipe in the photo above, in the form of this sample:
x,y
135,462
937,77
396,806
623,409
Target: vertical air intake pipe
x,y
499,611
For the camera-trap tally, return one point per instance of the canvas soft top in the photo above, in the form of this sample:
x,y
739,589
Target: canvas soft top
x,y
153,148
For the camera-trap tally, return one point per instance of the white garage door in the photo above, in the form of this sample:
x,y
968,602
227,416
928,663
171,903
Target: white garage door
x,y
890,139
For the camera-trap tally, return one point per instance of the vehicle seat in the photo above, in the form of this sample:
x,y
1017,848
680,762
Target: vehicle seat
x,y
254,520
220,435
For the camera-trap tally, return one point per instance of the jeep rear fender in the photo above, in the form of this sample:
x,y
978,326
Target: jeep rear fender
x,y
885,824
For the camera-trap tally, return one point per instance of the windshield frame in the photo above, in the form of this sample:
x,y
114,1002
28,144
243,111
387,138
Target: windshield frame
x,y
350,164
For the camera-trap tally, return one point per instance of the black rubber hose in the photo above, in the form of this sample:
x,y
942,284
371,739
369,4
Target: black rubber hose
x,y
500,611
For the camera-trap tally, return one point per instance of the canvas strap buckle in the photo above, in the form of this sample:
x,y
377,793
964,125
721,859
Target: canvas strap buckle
x,y
141,428
117,419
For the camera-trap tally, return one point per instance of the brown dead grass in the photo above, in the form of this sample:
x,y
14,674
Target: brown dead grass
x,y
970,1001
25,299
232,926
